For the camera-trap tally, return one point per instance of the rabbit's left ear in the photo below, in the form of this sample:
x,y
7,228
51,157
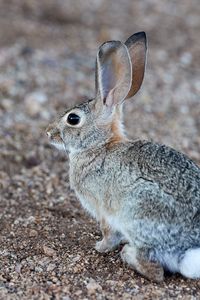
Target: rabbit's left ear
x,y
113,73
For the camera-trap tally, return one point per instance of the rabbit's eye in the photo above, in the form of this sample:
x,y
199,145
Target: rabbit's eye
x,y
73,119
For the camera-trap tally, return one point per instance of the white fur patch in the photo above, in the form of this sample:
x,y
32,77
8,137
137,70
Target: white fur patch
x,y
190,264
59,146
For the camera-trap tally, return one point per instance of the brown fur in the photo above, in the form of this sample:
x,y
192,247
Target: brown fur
x,y
105,228
138,260
150,270
117,134
54,133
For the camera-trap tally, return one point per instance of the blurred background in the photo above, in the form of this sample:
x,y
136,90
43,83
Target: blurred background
x,y
48,49
47,56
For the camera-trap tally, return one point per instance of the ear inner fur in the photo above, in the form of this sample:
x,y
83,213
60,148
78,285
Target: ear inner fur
x,y
114,72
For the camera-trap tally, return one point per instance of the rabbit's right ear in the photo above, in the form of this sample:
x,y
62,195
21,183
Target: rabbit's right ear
x,y
137,47
113,73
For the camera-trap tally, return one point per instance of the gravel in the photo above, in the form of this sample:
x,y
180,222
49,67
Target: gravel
x,y
47,53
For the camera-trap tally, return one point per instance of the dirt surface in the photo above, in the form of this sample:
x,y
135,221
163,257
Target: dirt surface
x,y
47,53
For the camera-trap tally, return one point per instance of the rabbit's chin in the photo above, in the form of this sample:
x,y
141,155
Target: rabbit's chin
x,y
59,146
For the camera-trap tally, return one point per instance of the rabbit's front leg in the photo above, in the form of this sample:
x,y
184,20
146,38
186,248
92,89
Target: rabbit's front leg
x,y
138,260
111,239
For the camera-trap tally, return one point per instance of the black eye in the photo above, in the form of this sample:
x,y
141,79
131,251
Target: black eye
x,y
73,119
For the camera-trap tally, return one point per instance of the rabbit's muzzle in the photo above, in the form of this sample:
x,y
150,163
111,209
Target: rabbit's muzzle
x,y
53,134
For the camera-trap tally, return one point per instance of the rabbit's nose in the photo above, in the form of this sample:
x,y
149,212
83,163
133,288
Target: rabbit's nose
x,y
48,133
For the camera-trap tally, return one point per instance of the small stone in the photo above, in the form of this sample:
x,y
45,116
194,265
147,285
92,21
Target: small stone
x,y
93,286
51,267
29,220
78,293
66,298
7,104
38,269
4,180
76,258
54,279
49,251
2,278
186,58
33,233
49,188
18,268
31,161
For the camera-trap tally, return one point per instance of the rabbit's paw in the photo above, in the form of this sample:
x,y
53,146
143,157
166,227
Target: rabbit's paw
x,y
152,271
135,259
111,239
105,245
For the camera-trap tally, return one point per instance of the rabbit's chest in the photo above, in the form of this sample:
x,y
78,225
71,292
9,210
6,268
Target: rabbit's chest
x,y
95,199
94,185
86,191
89,203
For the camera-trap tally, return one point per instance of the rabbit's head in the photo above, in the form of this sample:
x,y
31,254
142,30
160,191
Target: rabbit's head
x,y
119,74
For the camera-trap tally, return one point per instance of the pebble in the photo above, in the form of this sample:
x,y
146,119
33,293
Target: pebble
x,y
4,180
7,104
186,58
18,268
33,233
38,269
51,267
93,286
49,251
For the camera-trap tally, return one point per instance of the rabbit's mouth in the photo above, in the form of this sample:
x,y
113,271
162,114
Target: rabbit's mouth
x,y
55,138
57,142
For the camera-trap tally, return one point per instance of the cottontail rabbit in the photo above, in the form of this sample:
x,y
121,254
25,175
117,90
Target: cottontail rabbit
x,y
142,193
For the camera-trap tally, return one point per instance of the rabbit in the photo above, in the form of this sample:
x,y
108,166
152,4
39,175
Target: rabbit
x,y
143,194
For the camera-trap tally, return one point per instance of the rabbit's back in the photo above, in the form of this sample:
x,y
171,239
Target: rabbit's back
x,y
174,172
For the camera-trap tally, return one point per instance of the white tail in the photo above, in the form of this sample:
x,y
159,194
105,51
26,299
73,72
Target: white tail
x,y
190,264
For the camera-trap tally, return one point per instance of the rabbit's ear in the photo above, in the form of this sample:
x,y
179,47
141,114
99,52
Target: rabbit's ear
x,y
137,47
113,72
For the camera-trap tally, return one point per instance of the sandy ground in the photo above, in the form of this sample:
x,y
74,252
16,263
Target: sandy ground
x,y
47,53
